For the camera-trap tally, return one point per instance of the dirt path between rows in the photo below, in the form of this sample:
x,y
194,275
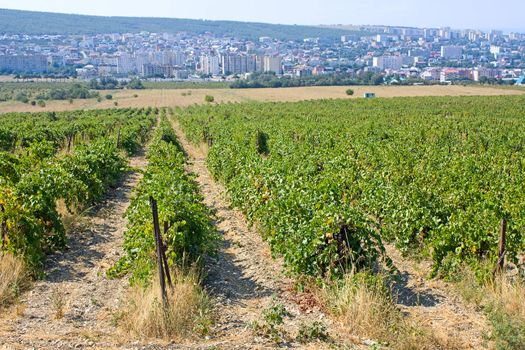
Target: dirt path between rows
x,y
244,278
74,305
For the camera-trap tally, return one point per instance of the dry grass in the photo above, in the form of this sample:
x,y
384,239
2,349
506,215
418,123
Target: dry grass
x,y
510,294
506,310
506,291
503,300
189,310
174,98
14,278
58,302
363,306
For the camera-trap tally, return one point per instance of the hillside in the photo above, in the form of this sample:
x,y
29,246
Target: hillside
x,y
29,22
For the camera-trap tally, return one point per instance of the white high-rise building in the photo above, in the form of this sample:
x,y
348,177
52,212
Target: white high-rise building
x,y
126,63
210,65
172,58
238,63
388,62
141,59
444,33
273,64
451,52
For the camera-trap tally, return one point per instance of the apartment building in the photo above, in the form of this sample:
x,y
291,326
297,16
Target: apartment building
x,y
210,65
24,63
238,63
451,52
157,70
273,64
484,72
388,62
126,63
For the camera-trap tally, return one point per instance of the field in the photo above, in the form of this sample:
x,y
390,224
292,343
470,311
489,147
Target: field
x,y
175,98
306,222
425,172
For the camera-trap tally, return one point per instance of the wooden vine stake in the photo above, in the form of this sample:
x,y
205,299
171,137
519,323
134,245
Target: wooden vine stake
x,y
502,251
160,248
3,227
118,138
164,259
69,141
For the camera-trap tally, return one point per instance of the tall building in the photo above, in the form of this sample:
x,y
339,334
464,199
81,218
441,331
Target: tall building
x,y
126,63
174,58
388,62
259,63
451,52
273,64
238,64
141,59
157,70
444,33
24,63
231,64
210,65
430,33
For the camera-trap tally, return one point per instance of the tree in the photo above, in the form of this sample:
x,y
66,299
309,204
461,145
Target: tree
x,y
483,80
349,92
93,84
209,98
135,84
108,83
377,79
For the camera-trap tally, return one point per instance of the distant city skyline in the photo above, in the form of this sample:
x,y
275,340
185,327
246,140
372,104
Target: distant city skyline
x,y
460,14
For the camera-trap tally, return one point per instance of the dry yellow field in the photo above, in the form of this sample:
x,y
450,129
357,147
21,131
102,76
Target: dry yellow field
x,y
175,98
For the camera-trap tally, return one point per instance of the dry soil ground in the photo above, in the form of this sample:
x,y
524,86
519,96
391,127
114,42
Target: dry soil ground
x,y
175,98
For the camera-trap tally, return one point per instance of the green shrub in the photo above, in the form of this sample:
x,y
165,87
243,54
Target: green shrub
x,y
271,325
509,331
309,332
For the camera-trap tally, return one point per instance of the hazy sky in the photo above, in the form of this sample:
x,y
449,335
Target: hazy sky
x,y
482,14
